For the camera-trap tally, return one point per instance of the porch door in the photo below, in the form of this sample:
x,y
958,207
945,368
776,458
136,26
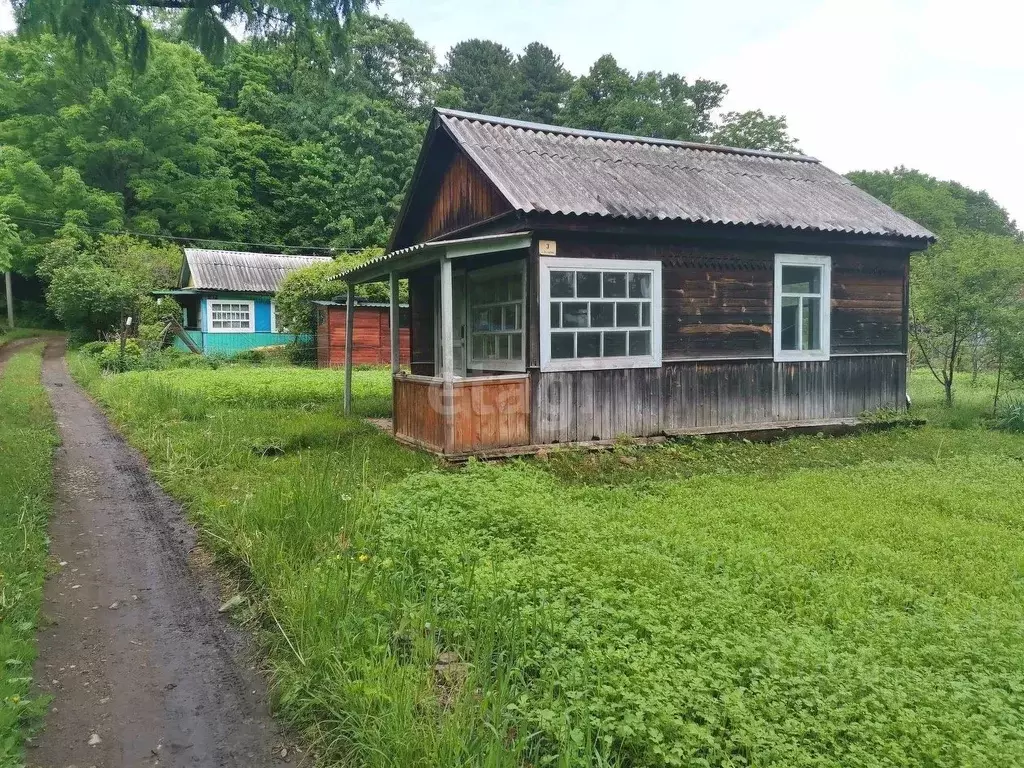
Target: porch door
x,y
460,335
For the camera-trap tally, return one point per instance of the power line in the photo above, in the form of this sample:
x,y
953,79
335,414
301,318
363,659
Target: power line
x,y
279,246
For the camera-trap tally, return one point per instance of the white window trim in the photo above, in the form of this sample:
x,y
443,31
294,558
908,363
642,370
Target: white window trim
x,y
519,364
547,264
802,260
209,316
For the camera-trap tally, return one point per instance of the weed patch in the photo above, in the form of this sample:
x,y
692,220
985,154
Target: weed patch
x,y
27,440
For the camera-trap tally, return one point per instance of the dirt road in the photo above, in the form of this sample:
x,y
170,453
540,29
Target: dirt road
x,y
142,669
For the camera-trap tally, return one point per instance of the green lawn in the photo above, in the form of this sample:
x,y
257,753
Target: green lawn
x,y
27,440
849,601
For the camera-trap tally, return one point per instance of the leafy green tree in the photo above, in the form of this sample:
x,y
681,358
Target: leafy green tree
x,y
544,84
754,130
967,286
100,26
483,76
938,205
319,282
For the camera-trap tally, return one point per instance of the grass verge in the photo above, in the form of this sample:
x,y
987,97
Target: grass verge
x,y
27,441
815,602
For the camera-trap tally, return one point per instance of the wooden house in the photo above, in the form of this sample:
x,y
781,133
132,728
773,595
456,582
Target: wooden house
x,y
227,298
371,333
568,286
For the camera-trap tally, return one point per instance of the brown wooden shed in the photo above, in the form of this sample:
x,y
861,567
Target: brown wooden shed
x,y
570,286
371,334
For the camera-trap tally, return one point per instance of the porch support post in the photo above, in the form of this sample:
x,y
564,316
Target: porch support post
x,y
447,356
396,358
350,311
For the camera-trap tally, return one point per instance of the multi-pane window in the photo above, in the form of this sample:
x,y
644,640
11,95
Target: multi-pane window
x,y
802,307
600,314
496,318
231,315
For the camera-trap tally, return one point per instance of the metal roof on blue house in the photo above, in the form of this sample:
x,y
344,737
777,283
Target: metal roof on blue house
x,y
210,270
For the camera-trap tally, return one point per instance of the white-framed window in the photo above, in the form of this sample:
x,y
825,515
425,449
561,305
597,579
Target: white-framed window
x,y
599,313
497,317
230,316
276,326
803,307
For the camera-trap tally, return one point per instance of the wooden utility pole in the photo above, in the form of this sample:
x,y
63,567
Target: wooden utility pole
x,y
10,299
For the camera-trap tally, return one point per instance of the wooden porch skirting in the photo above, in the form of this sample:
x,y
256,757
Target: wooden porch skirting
x,y
507,415
485,413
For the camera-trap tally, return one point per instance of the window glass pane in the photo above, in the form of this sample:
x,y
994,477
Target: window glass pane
x,y
812,323
627,314
801,279
480,320
517,347
588,344
574,314
639,342
614,285
588,285
515,286
502,347
645,319
562,285
789,321
614,343
478,347
562,345
602,314
639,285
508,317
556,314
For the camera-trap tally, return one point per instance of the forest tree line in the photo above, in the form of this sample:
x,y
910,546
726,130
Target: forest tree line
x,y
305,135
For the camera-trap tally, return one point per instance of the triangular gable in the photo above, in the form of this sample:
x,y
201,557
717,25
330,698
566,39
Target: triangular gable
x,y
448,193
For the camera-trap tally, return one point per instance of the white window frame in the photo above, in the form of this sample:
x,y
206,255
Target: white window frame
x,y
825,318
556,264
517,365
209,316
273,320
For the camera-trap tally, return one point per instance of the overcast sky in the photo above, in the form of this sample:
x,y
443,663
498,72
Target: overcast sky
x,y
936,85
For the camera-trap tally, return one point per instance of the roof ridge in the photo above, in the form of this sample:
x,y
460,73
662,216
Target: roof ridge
x,y
620,137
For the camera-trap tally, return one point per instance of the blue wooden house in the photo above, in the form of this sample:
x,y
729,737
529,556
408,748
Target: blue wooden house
x,y
227,298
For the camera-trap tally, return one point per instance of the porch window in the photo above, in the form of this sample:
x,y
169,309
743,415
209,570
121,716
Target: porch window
x,y
802,307
600,313
229,316
496,318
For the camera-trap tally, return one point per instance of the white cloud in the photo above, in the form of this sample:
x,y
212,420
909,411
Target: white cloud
x,y
6,16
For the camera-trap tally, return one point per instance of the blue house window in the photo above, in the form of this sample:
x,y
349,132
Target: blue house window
x,y
231,316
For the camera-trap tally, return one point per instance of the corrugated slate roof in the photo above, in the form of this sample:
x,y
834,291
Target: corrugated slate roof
x,y
557,170
243,271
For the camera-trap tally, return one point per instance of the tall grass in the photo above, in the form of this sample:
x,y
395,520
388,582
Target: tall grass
x,y
27,440
851,602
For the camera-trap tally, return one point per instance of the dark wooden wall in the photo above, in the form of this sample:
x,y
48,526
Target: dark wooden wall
x,y
694,397
465,196
717,300
421,320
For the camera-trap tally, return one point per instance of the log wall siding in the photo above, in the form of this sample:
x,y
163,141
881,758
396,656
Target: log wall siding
x,y
465,196
685,397
717,300
371,337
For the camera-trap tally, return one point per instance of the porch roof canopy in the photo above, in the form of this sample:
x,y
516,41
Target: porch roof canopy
x,y
418,255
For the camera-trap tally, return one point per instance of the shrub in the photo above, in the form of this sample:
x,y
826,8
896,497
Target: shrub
x,y
300,352
250,356
1011,416
93,348
111,358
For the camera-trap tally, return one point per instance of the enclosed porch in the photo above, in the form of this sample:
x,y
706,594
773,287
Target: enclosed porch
x,y
467,389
